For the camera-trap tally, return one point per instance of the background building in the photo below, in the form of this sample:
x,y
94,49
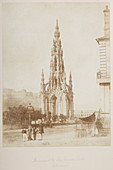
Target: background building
x,y
103,75
56,94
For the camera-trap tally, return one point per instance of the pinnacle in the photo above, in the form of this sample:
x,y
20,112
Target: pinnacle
x,y
42,73
57,27
70,75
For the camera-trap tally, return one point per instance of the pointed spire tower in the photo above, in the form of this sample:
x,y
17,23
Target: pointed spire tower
x,y
56,94
57,63
70,81
42,81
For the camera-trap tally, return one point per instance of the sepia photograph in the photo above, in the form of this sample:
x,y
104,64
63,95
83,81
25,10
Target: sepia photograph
x,y
56,74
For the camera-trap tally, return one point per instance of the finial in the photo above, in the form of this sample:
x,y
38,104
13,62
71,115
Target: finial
x,y
57,27
42,74
70,75
57,33
70,78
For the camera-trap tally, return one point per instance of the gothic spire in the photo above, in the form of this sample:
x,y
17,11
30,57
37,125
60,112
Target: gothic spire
x,y
70,77
42,81
70,81
57,63
57,27
42,76
57,33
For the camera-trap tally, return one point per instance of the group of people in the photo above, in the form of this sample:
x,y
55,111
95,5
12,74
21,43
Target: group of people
x,y
33,133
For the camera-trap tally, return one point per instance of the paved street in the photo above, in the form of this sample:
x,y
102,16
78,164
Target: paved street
x,y
56,136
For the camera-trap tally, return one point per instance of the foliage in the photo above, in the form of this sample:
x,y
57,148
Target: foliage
x,y
16,114
36,115
20,115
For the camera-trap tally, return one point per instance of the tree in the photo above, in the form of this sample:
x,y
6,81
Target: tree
x,y
36,115
22,114
16,115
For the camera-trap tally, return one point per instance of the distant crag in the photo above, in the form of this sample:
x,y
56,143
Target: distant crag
x,y
15,98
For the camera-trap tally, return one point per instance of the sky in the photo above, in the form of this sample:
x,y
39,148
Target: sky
x,y
27,36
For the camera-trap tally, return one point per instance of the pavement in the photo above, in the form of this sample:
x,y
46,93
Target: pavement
x,y
61,136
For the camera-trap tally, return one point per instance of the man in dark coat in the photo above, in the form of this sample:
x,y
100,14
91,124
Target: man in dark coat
x,y
34,133
41,130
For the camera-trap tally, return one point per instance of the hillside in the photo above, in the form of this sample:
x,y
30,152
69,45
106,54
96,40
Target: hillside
x,y
13,98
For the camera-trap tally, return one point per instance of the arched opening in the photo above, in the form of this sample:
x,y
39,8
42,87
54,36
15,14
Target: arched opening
x,y
53,105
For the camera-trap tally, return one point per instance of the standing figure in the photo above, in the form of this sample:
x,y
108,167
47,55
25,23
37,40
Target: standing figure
x,y
24,132
41,130
34,133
